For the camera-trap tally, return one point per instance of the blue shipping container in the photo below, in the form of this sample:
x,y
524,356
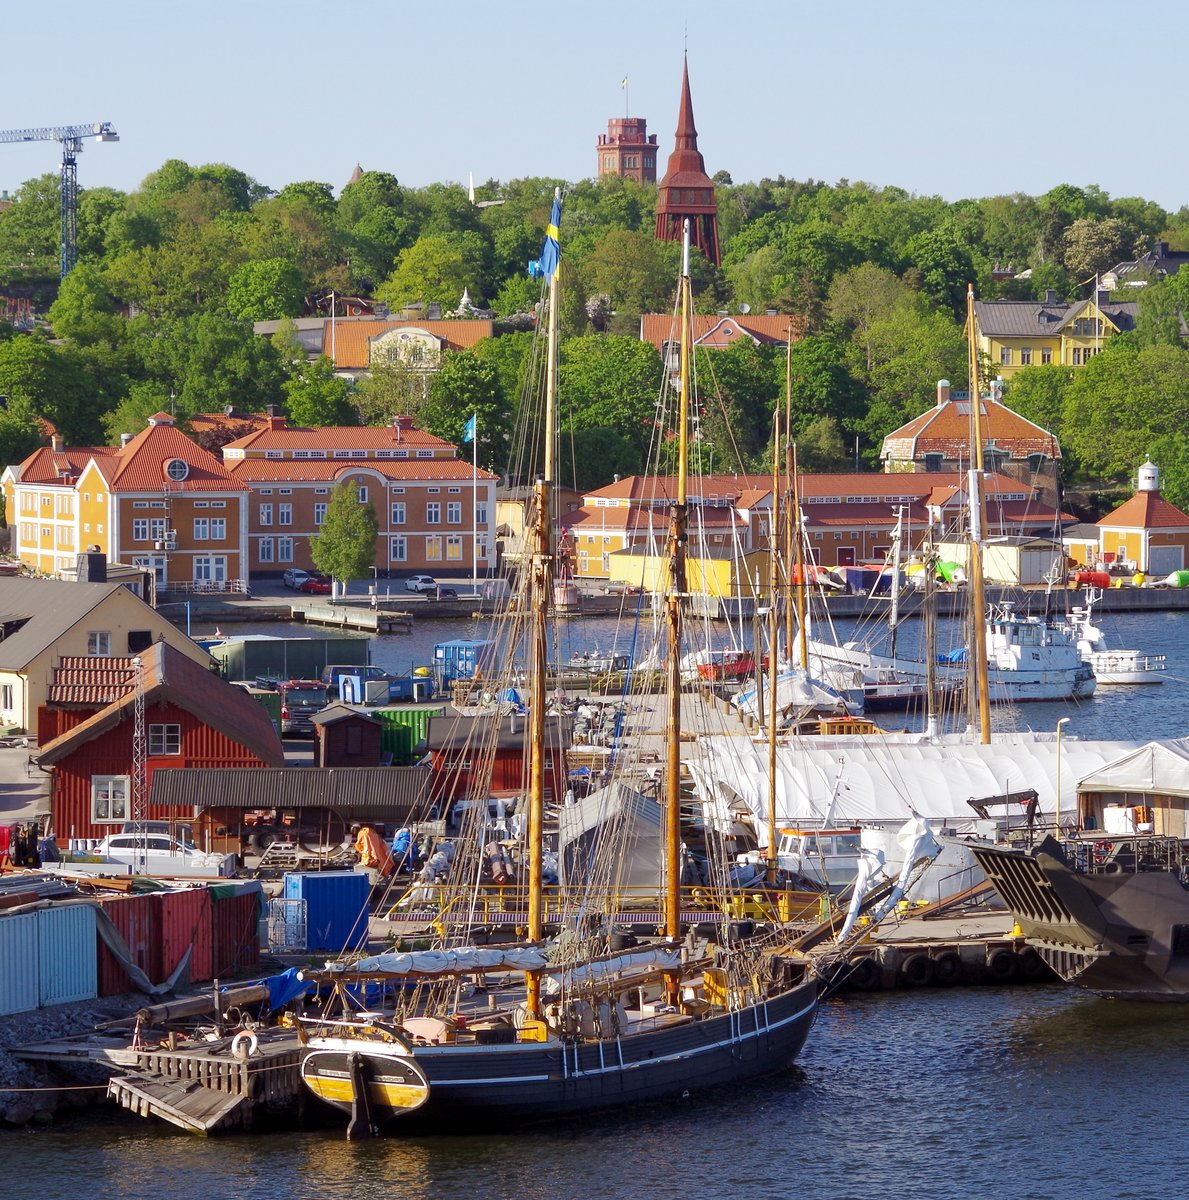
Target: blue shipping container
x,y
18,963
336,907
68,954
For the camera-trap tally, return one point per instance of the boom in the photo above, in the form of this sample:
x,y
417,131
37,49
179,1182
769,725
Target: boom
x,y
72,138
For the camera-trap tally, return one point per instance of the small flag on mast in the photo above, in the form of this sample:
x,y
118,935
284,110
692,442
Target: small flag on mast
x,y
625,82
468,430
546,265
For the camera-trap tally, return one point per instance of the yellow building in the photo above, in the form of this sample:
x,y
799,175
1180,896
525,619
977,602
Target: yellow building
x,y
1013,334
157,501
1146,533
46,620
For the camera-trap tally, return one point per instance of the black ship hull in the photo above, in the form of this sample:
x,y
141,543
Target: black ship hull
x,y
557,1079
1121,932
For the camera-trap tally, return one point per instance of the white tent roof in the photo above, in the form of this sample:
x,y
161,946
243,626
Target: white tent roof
x,y
1160,767
889,778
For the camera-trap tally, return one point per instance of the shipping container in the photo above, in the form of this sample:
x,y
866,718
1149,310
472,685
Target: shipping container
x,y
67,952
460,659
415,719
135,920
184,922
336,907
19,955
235,928
397,740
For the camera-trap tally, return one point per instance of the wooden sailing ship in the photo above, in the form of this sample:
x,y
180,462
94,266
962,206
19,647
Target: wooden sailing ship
x,y
580,1020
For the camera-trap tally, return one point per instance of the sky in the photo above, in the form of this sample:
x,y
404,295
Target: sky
x,y
933,96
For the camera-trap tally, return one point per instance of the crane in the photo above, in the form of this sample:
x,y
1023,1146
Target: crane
x,y
72,138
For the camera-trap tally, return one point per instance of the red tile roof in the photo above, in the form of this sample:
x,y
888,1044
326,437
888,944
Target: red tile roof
x,y
91,681
46,465
353,339
299,470
716,331
945,429
212,422
338,437
1146,510
171,676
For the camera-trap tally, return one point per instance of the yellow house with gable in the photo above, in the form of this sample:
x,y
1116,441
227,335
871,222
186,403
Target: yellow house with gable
x,y
1013,334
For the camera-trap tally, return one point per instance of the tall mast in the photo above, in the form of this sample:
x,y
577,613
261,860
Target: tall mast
x,y
542,593
979,694
673,620
773,631
800,567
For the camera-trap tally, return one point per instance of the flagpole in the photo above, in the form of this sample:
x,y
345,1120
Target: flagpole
x,y
475,499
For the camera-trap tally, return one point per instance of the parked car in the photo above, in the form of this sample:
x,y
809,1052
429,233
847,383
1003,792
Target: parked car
x,y
300,699
160,853
316,585
183,832
446,593
295,577
422,583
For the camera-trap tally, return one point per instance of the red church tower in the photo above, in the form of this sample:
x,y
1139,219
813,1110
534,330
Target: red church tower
x,y
686,190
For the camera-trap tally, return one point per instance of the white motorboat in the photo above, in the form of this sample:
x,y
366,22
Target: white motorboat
x,y
1109,665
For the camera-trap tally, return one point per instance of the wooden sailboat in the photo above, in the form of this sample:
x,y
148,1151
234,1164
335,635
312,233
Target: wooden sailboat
x,y
570,1027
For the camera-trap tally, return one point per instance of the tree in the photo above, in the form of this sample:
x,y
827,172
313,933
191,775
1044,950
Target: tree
x,y
760,278
265,291
345,546
1171,454
1121,401
860,297
632,269
1090,246
1038,393
610,383
435,269
41,380
29,231
132,413
464,387
591,458
738,389
316,396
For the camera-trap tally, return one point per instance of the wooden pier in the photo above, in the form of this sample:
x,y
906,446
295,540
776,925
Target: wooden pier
x,y
203,1086
367,620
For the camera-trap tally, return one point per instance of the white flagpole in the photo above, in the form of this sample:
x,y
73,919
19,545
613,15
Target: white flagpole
x,y
475,500
332,327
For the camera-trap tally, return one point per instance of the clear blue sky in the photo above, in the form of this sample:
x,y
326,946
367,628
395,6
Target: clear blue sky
x,y
934,96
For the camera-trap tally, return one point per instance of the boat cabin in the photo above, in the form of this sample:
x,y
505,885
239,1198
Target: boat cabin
x,y
1145,792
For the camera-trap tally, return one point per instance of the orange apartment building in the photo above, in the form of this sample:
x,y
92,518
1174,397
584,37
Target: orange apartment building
x,y
849,518
435,511
158,501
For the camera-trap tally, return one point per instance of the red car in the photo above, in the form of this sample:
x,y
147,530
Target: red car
x,y
318,585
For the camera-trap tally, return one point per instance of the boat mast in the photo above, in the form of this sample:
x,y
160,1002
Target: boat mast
x,y
674,627
979,695
542,592
793,520
773,634
894,610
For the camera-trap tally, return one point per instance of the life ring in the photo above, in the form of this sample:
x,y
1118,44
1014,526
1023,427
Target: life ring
x,y
1002,965
947,968
917,970
864,974
1101,850
245,1036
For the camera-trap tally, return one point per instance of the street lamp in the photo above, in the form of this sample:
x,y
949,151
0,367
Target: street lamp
x,y
1057,820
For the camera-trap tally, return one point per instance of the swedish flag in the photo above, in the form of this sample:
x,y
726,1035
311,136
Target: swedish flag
x,y
547,264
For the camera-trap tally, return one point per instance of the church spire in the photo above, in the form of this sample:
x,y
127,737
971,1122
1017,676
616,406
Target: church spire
x,y
687,192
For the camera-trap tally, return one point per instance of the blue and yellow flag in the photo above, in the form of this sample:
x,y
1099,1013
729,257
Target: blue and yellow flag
x,y
468,430
546,265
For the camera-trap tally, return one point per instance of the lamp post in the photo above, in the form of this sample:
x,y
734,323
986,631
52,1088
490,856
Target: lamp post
x,y
1057,819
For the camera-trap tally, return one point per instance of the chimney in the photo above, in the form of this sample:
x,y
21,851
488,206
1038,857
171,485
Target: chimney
x,y
943,392
125,438
1050,296
399,425
57,444
270,410
274,422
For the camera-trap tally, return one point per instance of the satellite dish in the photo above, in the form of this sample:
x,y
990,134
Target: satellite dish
x,y
745,309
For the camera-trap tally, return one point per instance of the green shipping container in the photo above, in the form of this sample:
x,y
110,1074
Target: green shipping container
x,y
412,718
272,701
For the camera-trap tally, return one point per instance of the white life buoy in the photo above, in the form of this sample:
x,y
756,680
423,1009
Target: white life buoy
x,y
244,1037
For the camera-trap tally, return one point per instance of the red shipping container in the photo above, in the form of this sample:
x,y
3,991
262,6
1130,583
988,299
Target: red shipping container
x,y
184,923
235,933
136,919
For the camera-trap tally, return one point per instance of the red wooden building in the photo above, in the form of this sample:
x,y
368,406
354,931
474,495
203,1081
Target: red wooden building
x,y
461,747
192,718
346,737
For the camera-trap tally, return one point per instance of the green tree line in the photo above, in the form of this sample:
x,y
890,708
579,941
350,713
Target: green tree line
x,y
158,313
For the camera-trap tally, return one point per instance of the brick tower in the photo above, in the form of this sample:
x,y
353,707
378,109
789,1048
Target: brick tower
x,y
686,190
628,150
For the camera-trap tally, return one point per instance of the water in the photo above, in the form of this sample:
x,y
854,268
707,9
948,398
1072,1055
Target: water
x,y
1027,1093
1035,1093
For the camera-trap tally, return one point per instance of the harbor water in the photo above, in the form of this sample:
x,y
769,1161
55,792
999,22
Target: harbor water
x,y
1027,1093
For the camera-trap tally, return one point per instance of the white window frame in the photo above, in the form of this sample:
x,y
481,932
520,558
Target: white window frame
x,y
110,796
284,514
320,508
266,548
398,548
285,549
398,512
99,643
454,512
433,513
265,515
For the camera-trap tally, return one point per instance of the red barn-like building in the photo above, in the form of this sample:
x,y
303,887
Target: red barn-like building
x,y
192,718
460,747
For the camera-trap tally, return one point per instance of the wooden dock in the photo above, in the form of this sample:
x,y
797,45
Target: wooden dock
x,y
203,1086
367,620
